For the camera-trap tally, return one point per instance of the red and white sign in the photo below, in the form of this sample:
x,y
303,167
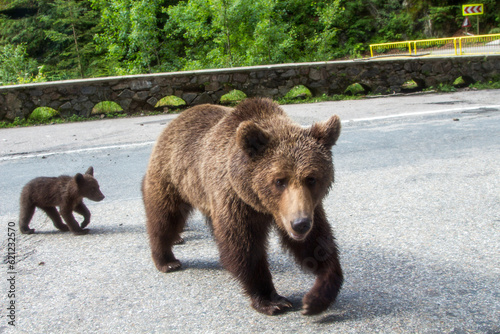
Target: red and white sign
x,y
466,23
475,9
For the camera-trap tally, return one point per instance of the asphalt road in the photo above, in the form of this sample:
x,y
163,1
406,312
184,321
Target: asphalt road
x,y
415,208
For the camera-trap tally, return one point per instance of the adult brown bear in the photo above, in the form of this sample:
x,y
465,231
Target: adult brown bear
x,y
247,169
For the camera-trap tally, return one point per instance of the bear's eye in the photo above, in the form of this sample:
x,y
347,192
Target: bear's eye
x,y
310,181
280,183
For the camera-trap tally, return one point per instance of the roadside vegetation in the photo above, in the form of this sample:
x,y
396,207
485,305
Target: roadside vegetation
x,y
51,40
65,39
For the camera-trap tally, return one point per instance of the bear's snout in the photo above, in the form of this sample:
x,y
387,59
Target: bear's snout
x,y
301,225
299,228
297,212
96,197
100,198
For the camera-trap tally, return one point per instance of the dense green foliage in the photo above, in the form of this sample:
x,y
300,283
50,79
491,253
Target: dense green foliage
x,y
62,39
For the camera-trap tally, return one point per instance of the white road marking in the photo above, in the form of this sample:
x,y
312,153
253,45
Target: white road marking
x,y
88,149
419,113
120,146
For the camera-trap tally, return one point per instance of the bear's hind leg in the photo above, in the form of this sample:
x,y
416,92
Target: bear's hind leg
x,y
54,215
166,218
26,213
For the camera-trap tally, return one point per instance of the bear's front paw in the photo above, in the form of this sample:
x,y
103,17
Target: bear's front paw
x,y
81,232
312,304
169,266
275,306
63,228
85,223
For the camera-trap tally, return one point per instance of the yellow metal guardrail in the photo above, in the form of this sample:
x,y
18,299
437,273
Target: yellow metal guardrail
x,y
457,46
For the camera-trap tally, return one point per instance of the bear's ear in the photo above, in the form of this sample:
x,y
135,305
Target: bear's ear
x,y
327,132
252,139
79,179
90,171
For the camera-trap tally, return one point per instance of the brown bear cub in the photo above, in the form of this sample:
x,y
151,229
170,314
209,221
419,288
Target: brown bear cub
x,y
247,169
64,191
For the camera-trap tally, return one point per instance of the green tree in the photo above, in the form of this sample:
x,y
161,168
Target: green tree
x,y
59,34
226,33
190,22
83,38
326,39
19,24
130,34
70,26
273,39
15,65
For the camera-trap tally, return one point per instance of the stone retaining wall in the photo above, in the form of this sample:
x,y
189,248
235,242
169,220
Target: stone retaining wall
x,y
142,92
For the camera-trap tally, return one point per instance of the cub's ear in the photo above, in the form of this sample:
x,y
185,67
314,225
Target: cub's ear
x,y
90,171
252,139
327,132
79,179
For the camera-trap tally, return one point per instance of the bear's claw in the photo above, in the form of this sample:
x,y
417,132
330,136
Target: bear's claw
x,y
272,307
179,241
169,266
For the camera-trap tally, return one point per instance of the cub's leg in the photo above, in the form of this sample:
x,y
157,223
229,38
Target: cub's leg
x,y
319,254
166,215
54,215
242,242
84,211
25,215
67,214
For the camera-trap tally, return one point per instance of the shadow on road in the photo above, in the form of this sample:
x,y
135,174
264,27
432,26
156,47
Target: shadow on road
x,y
380,284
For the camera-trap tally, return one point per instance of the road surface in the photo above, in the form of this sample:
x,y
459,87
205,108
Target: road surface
x,y
415,208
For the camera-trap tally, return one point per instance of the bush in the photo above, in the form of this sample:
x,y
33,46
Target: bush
x,y
354,89
16,66
298,92
106,107
170,101
233,97
42,114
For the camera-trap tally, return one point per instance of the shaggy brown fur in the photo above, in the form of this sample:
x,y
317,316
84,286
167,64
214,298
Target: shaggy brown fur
x,y
64,191
247,169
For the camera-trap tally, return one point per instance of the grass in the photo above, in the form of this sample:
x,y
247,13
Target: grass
x,y
486,85
322,98
446,88
20,122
